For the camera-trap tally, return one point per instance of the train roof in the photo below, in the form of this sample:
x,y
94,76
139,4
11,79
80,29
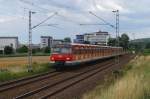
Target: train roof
x,y
88,45
93,45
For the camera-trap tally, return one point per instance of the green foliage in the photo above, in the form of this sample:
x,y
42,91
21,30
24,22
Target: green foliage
x,y
67,39
37,69
146,52
1,52
148,45
139,45
123,41
23,49
112,41
8,50
46,50
33,51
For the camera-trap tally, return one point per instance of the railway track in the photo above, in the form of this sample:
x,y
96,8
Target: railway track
x,y
24,81
34,92
50,90
53,85
23,87
73,81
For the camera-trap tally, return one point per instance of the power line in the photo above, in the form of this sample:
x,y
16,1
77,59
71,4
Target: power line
x,y
44,20
47,10
67,19
102,19
92,24
30,37
34,5
52,25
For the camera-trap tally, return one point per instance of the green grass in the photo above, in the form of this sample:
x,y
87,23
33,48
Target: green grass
x,y
134,83
146,52
6,75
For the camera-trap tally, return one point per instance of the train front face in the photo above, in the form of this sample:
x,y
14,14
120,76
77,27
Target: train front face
x,y
61,54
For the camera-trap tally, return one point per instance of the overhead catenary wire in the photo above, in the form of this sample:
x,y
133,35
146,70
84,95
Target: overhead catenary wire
x,y
102,20
52,25
47,10
44,9
44,20
66,18
93,24
34,5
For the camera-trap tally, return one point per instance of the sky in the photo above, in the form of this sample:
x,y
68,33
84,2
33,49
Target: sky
x,y
134,18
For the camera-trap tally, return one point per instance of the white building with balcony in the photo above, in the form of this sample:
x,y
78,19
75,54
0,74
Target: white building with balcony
x,y
99,38
46,41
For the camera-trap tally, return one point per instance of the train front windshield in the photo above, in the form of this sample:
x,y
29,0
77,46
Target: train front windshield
x,y
63,50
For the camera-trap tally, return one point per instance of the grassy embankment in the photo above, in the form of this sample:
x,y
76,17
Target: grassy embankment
x,y
16,67
146,52
134,83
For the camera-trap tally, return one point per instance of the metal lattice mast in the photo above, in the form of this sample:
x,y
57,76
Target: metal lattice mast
x,y
30,44
117,33
117,25
30,69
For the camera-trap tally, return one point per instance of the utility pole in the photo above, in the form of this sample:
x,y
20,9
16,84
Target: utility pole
x,y
30,69
105,22
30,43
113,26
117,32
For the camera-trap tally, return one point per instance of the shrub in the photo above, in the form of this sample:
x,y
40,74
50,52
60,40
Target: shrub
x,y
23,49
46,50
8,50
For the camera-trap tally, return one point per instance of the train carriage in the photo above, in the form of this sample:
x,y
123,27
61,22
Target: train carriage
x,y
69,54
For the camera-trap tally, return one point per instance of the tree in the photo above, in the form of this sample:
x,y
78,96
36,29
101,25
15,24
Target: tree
x,y
23,49
8,50
124,41
67,39
148,45
112,41
86,42
1,52
47,50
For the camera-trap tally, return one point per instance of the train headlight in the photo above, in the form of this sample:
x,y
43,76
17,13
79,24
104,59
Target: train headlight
x,y
67,58
52,58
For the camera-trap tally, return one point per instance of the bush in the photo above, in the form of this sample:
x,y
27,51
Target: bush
x,y
1,52
46,50
67,39
8,50
34,51
23,49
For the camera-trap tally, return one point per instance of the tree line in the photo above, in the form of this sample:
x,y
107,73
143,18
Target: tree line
x,y
24,49
122,41
139,45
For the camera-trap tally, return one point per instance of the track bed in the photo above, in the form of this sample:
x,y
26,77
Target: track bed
x,y
65,84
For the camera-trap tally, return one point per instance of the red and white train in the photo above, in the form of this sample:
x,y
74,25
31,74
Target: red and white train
x,y
68,54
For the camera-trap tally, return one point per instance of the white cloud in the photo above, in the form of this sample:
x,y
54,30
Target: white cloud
x,y
73,12
4,19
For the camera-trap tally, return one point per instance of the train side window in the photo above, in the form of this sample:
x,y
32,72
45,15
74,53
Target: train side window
x,y
75,50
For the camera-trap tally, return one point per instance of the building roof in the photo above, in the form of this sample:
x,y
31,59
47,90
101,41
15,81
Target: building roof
x,y
58,40
9,37
80,35
99,32
46,37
